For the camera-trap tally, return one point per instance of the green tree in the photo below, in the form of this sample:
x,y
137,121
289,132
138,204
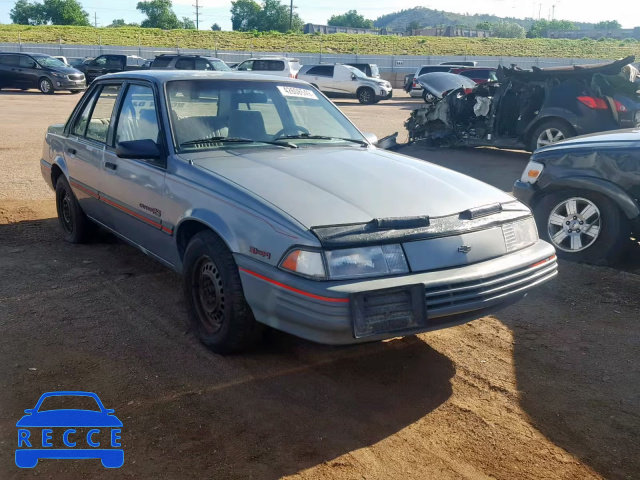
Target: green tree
x,y
56,12
188,24
541,28
350,19
244,15
216,28
608,25
414,25
484,26
159,15
119,22
504,29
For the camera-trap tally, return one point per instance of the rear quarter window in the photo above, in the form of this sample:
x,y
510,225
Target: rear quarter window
x,y
269,65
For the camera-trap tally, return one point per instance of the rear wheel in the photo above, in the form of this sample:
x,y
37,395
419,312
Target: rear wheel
x,y
548,133
366,95
219,314
45,86
583,226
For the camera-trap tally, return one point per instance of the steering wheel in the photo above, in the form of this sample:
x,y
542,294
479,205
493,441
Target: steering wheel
x,y
292,131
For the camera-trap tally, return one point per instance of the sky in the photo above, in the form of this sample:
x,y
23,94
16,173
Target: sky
x,y
627,12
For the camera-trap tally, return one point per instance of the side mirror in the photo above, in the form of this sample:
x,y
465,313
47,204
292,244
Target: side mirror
x,y
353,76
139,150
372,138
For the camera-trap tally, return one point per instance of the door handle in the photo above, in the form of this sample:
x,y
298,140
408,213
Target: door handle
x,y
110,166
72,151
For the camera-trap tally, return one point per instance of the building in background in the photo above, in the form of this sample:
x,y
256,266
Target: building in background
x,y
450,31
328,30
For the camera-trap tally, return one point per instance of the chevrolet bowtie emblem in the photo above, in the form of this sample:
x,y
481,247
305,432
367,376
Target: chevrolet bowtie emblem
x,y
464,249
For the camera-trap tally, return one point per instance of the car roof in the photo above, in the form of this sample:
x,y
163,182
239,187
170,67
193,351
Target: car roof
x,y
286,59
163,76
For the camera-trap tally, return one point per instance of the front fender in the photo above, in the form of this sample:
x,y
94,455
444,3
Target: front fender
x,y
621,198
213,221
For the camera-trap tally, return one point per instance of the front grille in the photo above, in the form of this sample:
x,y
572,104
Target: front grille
x,y
76,76
454,297
391,310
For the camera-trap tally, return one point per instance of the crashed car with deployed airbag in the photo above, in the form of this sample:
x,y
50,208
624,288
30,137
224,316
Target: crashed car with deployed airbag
x,y
278,211
531,109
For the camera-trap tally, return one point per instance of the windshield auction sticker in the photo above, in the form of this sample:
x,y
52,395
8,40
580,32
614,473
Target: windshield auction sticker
x,y
297,92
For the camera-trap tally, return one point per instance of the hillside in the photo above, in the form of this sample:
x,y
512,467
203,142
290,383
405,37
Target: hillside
x,y
432,18
326,44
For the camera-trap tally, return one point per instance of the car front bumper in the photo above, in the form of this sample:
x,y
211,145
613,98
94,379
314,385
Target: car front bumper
x,y
525,192
66,84
333,312
384,94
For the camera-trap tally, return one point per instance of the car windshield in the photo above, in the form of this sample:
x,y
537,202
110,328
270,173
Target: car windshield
x,y
69,402
50,62
213,114
440,82
220,66
358,73
375,71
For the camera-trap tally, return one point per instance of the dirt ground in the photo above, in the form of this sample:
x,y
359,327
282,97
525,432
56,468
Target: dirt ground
x,y
547,388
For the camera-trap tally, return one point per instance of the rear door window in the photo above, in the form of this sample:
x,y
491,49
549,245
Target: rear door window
x,y
268,65
27,62
100,119
10,60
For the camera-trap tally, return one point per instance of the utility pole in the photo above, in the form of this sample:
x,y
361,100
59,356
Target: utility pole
x,y
291,16
553,12
197,7
95,19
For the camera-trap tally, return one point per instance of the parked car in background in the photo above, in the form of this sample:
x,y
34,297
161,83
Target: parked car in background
x,y
62,59
314,251
147,63
36,70
188,62
531,109
345,81
279,66
112,64
416,89
369,69
82,67
461,63
478,74
585,194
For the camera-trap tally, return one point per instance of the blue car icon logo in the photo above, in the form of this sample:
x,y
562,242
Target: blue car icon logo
x,y
69,433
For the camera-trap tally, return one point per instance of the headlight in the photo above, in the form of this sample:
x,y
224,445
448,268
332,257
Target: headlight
x,y
58,75
520,235
532,172
366,262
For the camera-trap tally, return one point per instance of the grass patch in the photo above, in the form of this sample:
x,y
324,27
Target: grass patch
x,y
338,43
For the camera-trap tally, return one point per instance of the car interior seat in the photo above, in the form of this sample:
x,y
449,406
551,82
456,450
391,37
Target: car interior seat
x,y
247,124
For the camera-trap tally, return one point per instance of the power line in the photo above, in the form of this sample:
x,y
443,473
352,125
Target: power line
x,y
197,7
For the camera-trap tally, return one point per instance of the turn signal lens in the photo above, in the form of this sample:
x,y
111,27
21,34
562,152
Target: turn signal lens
x,y
532,172
305,263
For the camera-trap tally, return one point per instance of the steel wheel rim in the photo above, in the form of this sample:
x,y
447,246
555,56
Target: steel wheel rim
x,y
574,224
66,215
550,136
365,96
45,86
208,295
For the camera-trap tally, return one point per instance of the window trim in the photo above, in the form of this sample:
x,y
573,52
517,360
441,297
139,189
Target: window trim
x,y
81,110
162,163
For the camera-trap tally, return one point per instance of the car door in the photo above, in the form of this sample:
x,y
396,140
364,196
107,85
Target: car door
x,y
134,189
185,64
85,144
29,73
246,66
343,80
9,65
203,64
322,77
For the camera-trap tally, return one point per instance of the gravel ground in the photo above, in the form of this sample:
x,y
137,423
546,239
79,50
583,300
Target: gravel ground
x,y
547,388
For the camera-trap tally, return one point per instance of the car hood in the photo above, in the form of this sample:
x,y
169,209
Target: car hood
x,y
335,186
69,418
615,138
439,83
65,70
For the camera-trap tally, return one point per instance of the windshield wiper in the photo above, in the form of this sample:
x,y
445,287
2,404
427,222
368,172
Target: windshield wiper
x,y
235,140
321,137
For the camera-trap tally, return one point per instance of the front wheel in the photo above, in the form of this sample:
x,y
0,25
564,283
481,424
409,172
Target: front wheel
x,y
583,226
45,86
219,314
366,96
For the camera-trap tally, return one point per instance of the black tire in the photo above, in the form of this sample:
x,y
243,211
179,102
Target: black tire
x,y
45,86
75,92
76,227
366,95
552,125
218,312
613,234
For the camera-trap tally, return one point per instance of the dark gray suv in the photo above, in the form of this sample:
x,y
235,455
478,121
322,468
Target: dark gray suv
x,y
188,62
35,70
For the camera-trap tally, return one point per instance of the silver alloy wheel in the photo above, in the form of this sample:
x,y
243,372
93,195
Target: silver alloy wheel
x,y
574,224
365,95
45,86
549,137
